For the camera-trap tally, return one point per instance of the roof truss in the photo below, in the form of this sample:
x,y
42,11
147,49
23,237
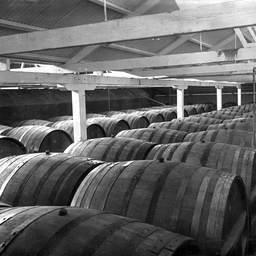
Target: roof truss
x,y
227,15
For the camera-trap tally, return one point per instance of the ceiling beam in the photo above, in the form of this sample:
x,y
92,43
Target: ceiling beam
x,y
167,60
89,49
237,68
241,37
129,49
215,17
19,26
13,77
178,42
230,78
112,6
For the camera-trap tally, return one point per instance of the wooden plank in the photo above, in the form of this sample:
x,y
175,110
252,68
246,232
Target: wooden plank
x,y
237,68
89,49
19,26
74,82
167,60
178,42
241,37
214,17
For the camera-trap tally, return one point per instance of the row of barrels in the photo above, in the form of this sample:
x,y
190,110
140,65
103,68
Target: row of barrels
x,y
196,209
191,210
57,133
37,138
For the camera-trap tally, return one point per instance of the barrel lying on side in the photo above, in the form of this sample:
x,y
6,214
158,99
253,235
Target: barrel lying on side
x,y
200,202
60,118
42,178
180,126
159,136
229,158
41,138
134,121
10,146
238,125
111,126
93,130
202,120
4,129
233,137
32,122
58,231
112,149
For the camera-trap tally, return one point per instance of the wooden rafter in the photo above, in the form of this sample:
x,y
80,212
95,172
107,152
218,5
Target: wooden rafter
x,y
194,71
172,60
228,15
89,49
13,77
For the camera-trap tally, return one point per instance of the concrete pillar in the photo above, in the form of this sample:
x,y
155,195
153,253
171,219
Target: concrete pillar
x,y
219,97
239,95
79,109
79,115
180,103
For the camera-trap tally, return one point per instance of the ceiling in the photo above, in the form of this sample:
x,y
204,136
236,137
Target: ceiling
x,y
205,40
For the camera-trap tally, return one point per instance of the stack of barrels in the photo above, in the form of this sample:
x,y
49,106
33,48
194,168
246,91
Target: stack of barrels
x,y
169,187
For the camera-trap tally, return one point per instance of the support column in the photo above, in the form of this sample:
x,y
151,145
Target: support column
x,y
219,97
239,95
79,109
79,115
180,100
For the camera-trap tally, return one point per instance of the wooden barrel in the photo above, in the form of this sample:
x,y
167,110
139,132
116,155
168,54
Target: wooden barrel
x,y
202,120
190,110
112,149
199,202
168,113
4,129
42,178
159,136
238,125
233,137
200,108
238,119
32,122
10,146
111,126
153,116
112,113
93,115
93,130
38,138
208,107
218,115
229,158
63,231
60,118
134,121
179,125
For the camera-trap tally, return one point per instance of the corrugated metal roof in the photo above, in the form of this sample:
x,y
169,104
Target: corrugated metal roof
x,y
54,13
104,53
130,5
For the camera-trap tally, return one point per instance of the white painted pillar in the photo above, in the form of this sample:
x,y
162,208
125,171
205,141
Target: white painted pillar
x,y
79,109
219,97
180,100
239,95
79,115
180,103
